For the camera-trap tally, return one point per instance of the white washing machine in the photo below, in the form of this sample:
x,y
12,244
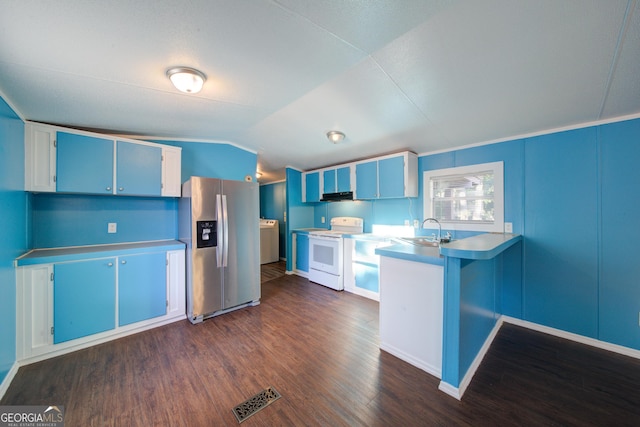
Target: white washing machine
x,y
269,241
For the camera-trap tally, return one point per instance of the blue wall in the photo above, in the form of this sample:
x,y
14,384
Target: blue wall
x,y
299,215
619,230
561,217
388,212
76,220
214,160
13,237
272,206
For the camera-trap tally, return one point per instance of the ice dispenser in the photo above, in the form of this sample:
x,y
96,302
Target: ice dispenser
x,y
207,234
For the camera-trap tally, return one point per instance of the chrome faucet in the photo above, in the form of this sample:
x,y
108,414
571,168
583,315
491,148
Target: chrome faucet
x,y
439,226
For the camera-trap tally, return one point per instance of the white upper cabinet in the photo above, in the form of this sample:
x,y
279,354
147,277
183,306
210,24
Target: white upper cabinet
x,y
171,171
69,161
40,158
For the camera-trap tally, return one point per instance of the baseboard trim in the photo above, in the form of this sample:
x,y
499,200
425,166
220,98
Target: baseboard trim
x,y
8,379
458,392
364,293
300,273
98,339
420,364
450,390
574,337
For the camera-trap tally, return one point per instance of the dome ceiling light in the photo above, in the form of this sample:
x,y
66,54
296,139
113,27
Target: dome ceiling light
x,y
335,136
187,80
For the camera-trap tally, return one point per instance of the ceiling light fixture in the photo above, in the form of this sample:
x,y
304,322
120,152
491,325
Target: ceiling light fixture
x,y
335,136
185,79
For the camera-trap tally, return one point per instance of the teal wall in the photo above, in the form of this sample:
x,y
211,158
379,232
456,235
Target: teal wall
x,y
213,160
272,206
13,236
299,215
77,220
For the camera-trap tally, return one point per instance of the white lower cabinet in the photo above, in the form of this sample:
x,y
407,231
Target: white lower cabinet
x,y
34,300
411,309
176,289
43,332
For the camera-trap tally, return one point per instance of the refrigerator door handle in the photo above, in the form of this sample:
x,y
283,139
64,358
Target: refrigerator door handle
x,y
219,231
225,242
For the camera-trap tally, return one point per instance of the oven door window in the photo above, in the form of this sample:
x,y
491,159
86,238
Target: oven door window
x,y
324,255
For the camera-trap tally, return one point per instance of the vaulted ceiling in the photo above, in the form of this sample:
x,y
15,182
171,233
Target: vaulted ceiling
x,y
423,75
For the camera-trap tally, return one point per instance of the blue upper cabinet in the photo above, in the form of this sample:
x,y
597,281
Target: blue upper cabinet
x,y
69,161
84,164
329,178
139,169
336,180
392,176
311,184
391,179
367,180
344,179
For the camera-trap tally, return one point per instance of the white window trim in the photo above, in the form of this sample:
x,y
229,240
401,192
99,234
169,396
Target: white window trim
x,y
498,201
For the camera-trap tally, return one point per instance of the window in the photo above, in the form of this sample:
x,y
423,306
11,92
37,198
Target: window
x,y
466,198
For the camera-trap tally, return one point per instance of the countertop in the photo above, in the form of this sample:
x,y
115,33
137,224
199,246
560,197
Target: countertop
x,y
76,253
306,230
426,254
480,247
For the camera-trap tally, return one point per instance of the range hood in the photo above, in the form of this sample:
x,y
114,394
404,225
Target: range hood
x,y
337,197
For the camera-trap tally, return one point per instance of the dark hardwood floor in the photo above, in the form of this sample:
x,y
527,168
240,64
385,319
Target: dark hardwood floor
x,y
319,349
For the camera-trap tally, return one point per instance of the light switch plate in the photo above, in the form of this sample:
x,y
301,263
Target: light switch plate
x,y
508,227
112,227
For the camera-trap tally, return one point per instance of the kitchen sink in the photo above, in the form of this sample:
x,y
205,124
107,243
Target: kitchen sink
x,y
418,241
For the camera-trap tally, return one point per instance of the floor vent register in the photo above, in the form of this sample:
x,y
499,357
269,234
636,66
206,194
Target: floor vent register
x,y
253,405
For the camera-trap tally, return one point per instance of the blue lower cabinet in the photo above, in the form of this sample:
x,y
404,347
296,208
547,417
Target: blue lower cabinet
x,y
302,252
142,287
84,298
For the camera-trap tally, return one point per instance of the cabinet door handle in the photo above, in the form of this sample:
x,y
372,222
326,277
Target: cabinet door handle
x,y
110,264
121,189
123,261
108,188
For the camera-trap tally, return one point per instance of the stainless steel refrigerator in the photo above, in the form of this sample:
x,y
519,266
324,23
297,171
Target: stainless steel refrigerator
x,y
218,220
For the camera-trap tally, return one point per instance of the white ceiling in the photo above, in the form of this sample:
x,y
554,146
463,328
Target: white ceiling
x,y
423,75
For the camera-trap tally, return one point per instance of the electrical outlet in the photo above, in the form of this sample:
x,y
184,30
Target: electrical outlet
x,y
322,220
406,222
416,224
508,227
112,227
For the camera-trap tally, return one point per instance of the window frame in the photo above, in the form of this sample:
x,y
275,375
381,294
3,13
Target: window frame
x,y
498,197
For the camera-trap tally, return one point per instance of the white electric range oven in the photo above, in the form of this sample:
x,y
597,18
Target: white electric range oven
x,y
326,251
